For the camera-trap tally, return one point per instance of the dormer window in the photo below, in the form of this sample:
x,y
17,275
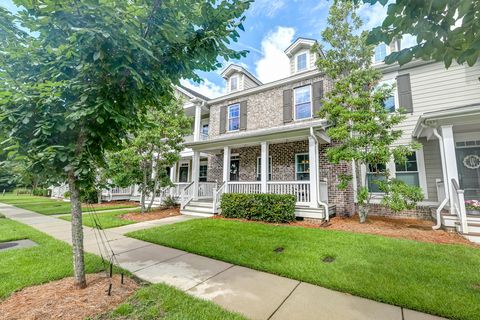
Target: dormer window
x,y
381,51
234,83
301,61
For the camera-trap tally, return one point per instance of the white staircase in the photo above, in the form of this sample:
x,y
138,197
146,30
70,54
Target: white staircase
x,y
199,208
452,222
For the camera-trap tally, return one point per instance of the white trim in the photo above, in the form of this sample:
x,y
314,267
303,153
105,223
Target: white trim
x,y
258,173
187,162
230,83
307,60
466,136
295,104
422,173
296,162
388,51
228,117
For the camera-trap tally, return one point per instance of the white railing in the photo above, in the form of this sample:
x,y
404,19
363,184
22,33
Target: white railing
x,y
441,194
177,189
217,196
300,189
458,203
186,195
244,187
121,191
205,189
59,191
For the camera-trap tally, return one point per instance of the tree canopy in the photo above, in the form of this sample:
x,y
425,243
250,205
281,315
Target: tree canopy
x,y
445,30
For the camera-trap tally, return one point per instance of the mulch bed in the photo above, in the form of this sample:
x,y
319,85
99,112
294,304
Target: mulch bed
x,y
113,203
402,228
152,215
60,300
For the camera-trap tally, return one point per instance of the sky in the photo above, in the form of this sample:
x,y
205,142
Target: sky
x,y
270,27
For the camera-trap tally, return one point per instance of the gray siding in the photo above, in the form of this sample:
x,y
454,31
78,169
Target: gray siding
x,y
312,59
433,166
248,83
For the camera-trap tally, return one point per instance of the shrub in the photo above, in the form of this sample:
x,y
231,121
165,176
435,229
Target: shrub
x,y
2,216
66,195
169,202
41,192
259,207
22,191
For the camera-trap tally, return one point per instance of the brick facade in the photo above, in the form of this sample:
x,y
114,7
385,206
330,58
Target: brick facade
x,y
421,212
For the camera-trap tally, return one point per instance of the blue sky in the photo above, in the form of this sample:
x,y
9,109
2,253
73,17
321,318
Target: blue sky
x,y
270,26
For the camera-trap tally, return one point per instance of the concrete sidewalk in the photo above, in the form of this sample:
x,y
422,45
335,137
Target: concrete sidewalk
x,y
257,295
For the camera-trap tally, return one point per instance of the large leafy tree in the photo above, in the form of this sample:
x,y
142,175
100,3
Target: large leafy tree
x,y
445,30
363,130
77,76
147,153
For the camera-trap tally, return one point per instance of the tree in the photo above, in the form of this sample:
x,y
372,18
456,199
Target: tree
x,y
148,152
362,129
86,72
444,30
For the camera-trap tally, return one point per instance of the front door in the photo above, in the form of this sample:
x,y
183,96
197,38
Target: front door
x,y
183,173
468,164
234,169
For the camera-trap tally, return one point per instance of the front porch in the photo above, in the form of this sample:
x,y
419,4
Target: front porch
x,y
457,131
280,163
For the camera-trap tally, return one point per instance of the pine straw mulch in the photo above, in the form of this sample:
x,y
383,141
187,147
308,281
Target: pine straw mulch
x,y
402,228
112,204
152,215
60,300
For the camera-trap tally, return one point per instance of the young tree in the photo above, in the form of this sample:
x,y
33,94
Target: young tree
x,y
147,152
445,30
362,129
86,72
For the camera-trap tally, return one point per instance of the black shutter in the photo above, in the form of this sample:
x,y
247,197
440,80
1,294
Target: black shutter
x,y
223,119
287,106
243,115
405,92
317,96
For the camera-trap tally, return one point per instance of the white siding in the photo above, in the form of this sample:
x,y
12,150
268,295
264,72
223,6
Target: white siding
x,y
248,83
435,88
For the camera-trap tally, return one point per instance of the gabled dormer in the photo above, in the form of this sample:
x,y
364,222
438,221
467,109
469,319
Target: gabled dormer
x,y
382,50
301,56
238,78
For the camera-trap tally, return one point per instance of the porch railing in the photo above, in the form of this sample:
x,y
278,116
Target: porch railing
x,y
186,195
244,187
458,203
205,189
217,196
300,189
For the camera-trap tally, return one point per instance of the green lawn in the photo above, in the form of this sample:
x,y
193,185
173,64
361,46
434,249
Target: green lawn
x,y
106,220
437,279
166,303
49,206
51,260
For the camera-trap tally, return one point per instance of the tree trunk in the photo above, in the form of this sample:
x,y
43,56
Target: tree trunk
x,y
99,196
77,233
363,208
155,186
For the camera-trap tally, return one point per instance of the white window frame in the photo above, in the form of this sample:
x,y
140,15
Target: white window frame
x,y
180,163
307,58
422,174
270,165
228,117
205,164
365,173
295,103
231,81
393,82
388,51
296,165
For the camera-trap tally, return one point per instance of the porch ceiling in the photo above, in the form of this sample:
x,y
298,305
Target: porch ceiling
x,y
283,134
463,119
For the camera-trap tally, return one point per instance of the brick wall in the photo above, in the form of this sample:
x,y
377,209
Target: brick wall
x,y
424,213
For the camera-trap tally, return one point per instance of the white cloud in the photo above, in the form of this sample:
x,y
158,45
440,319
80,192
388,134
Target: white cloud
x,y
267,7
207,88
274,63
372,16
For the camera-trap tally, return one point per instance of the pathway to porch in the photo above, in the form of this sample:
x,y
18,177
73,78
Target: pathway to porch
x,y
258,295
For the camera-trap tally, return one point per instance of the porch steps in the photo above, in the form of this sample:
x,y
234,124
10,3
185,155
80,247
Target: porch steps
x,y
473,222
198,208
314,213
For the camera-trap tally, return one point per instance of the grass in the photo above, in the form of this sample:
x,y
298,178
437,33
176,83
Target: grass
x,y
163,302
50,260
437,279
106,220
49,206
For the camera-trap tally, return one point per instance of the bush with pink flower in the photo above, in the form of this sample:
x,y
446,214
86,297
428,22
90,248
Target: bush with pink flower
x,y
472,205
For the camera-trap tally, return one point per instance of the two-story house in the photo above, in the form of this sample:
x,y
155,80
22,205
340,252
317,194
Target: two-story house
x,y
267,138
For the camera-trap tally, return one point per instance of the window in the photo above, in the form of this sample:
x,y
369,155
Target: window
x,y
183,173
301,61
389,103
205,129
203,173
380,53
375,173
408,171
234,83
303,103
302,166
259,169
234,117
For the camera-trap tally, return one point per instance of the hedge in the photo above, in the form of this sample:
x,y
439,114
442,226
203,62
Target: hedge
x,y
275,208
41,192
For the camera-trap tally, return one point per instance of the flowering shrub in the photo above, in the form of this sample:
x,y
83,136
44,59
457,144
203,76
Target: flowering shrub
x,y
472,205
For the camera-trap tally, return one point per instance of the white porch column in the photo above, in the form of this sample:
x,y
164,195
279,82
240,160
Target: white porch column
x,y
198,121
450,160
264,160
195,173
313,168
226,166
173,172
